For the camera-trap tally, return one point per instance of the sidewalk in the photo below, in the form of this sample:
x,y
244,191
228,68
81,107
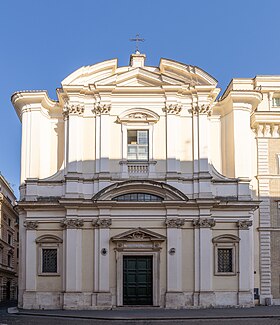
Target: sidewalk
x,y
157,313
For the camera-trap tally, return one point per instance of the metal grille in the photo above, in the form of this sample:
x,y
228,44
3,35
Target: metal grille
x,y
138,197
49,260
225,260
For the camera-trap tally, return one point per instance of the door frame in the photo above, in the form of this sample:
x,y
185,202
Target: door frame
x,y
155,274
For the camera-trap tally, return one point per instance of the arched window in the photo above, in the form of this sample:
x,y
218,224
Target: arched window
x,y
138,197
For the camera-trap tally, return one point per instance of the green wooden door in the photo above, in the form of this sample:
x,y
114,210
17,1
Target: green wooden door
x,y
137,280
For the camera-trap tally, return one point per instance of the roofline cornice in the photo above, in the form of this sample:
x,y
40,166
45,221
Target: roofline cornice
x,y
22,99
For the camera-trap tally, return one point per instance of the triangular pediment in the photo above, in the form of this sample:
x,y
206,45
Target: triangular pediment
x,y
138,78
138,234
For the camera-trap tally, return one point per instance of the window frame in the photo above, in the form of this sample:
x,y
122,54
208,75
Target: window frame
x,y
138,145
49,242
226,242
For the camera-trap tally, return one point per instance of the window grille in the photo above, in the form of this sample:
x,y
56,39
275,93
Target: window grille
x,y
225,260
138,197
49,260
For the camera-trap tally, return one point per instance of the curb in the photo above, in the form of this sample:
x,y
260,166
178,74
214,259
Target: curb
x,y
145,318
13,310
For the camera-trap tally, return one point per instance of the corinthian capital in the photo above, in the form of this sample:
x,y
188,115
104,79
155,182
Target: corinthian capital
x,y
72,223
101,108
104,222
30,225
73,109
204,223
201,109
174,222
172,108
244,224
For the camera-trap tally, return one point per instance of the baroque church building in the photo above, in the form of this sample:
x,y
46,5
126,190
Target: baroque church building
x,y
140,187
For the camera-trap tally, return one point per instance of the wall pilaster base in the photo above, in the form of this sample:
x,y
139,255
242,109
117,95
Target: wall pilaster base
x,y
42,300
206,299
77,300
102,300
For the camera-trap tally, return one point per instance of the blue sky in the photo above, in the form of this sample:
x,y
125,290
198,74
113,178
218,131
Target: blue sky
x,y
43,41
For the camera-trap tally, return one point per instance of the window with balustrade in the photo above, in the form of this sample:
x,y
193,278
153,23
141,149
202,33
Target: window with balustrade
x,y
225,254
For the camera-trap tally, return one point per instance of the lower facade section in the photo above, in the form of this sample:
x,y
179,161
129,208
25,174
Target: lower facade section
x,y
103,300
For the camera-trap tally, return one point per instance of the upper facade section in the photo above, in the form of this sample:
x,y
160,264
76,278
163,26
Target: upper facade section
x,y
108,73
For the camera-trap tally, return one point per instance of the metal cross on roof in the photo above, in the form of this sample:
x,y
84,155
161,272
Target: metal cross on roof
x,y
137,39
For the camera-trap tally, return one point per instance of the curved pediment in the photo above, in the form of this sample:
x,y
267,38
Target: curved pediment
x,y
138,115
169,72
91,73
190,74
163,190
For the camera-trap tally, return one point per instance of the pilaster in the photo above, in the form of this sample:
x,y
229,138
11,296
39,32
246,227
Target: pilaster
x,y
174,294
73,250
102,295
245,292
72,114
31,262
172,127
204,295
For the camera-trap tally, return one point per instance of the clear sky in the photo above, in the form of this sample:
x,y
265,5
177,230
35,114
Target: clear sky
x,y
43,41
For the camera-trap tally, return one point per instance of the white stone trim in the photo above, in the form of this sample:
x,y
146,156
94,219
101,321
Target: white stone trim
x,y
156,274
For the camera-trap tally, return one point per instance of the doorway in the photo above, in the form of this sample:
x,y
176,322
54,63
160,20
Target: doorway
x,y
137,280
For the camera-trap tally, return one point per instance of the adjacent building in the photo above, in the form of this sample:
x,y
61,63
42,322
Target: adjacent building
x,y
139,186
9,242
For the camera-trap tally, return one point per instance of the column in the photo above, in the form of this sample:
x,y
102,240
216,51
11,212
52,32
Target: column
x,y
73,261
204,261
29,295
172,134
246,291
174,294
102,295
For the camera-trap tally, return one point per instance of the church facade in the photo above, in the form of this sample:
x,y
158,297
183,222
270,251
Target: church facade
x,y
140,187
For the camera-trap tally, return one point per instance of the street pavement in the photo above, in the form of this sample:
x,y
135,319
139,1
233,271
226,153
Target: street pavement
x,y
260,315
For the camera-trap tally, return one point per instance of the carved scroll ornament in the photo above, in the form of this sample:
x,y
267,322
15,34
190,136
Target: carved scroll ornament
x,y
72,223
30,225
172,108
204,223
73,109
174,222
244,224
101,108
102,222
201,109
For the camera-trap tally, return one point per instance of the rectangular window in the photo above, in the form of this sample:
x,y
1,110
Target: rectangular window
x,y
276,101
225,259
10,239
49,260
9,260
137,144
